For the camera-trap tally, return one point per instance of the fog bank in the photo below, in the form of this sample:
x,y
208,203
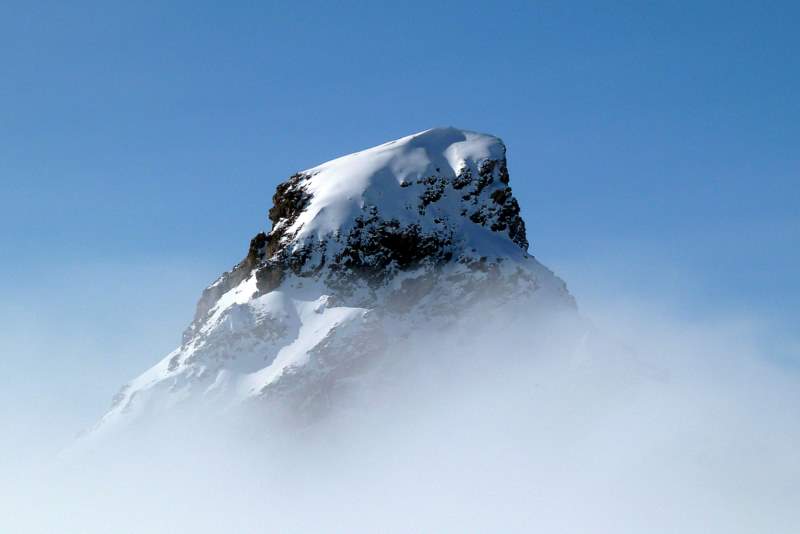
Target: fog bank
x,y
643,422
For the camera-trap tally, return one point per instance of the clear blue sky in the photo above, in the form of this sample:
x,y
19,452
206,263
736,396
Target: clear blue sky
x,y
650,145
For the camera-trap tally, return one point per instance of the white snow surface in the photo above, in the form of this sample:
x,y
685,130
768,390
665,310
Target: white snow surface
x,y
343,187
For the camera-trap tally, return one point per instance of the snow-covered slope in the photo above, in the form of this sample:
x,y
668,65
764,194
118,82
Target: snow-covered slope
x,y
386,176
365,252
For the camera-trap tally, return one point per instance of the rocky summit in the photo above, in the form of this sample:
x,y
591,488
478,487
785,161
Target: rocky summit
x,y
365,253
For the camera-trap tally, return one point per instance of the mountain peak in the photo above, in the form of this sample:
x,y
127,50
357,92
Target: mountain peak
x,y
383,176
435,195
366,252
354,223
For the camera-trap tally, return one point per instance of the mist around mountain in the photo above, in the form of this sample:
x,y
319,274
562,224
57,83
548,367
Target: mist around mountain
x,y
677,426
391,357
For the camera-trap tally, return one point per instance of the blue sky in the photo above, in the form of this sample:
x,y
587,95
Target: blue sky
x,y
653,147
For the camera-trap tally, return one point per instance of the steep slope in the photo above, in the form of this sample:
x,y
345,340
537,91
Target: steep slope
x,y
365,252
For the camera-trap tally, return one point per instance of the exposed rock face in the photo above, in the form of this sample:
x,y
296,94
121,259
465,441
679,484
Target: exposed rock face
x,y
363,251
